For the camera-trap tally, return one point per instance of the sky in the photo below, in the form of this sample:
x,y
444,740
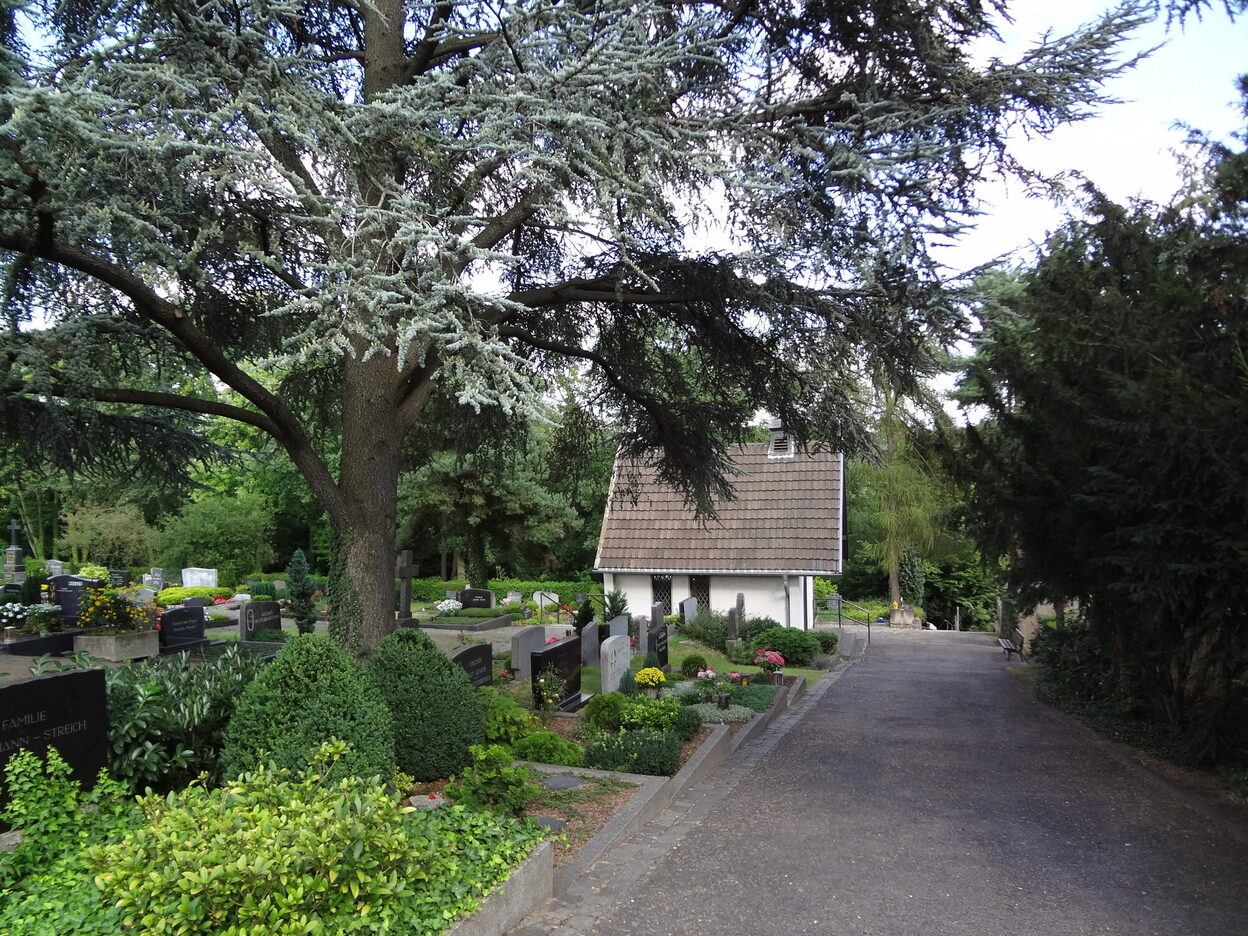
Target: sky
x,y
1127,150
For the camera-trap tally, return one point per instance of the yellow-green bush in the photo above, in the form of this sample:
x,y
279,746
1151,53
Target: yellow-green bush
x,y
279,854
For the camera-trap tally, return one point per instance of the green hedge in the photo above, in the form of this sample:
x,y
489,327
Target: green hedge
x,y
175,594
435,589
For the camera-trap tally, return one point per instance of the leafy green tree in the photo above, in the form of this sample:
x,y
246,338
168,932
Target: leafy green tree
x,y
1115,459
342,214
111,534
230,534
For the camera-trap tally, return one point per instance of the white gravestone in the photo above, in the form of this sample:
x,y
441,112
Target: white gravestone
x,y
613,660
199,578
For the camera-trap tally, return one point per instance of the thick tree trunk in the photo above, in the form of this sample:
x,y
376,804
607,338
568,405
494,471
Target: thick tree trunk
x,y
371,437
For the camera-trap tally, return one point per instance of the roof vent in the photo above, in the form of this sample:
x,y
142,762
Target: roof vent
x,y
781,445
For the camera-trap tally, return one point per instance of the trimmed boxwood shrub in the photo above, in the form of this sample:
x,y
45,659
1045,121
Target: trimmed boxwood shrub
x,y
437,715
546,747
312,691
796,646
691,664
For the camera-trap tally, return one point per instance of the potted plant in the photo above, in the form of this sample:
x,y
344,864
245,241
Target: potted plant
x,y
650,679
121,628
769,661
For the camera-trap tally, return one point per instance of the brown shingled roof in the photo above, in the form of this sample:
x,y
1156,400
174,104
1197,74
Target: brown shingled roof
x,y
786,518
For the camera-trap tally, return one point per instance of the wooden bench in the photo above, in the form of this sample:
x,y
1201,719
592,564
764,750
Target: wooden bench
x,y
1011,648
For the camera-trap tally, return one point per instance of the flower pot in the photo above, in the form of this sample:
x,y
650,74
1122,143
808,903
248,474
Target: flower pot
x,y
118,647
651,691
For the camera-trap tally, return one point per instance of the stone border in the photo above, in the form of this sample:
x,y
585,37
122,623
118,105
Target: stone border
x,y
503,620
535,881
526,888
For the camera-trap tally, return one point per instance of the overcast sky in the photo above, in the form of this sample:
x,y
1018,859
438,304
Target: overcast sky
x,y
1128,149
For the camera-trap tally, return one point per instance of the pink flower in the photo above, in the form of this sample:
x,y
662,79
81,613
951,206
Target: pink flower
x,y
734,675
551,640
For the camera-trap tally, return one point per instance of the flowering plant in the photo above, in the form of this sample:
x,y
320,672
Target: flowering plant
x,y
708,673
768,661
734,675
448,606
12,614
650,677
549,689
550,640
112,608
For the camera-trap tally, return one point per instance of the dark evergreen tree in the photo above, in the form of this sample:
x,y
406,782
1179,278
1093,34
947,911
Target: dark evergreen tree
x,y
299,589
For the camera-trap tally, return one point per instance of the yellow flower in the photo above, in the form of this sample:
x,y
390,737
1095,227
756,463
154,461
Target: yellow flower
x,y
650,677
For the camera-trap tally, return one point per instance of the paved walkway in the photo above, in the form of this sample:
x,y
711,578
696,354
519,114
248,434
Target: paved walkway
x,y
921,792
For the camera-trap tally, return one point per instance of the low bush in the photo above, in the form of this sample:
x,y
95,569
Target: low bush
x,y
688,724
506,721
643,751
628,684
712,713
643,712
756,696
491,783
175,594
692,664
268,635
546,747
708,628
262,590
796,646
311,692
828,641
474,614
437,713
605,712
167,718
283,854
822,661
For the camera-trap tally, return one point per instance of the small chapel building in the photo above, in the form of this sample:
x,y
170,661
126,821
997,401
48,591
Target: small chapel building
x,y
783,530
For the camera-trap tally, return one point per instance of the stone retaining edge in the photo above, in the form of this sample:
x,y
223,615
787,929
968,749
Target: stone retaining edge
x,y
527,888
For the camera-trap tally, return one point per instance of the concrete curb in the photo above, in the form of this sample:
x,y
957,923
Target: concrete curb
x,y
527,888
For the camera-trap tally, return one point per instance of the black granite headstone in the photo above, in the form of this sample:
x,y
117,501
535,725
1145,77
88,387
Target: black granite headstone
x,y
118,578
408,622
477,661
656,643
68,592
182,629
476,598
67,711
258,616
564,658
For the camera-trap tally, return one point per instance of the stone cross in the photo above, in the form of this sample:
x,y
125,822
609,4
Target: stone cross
x,y
14,526
405,573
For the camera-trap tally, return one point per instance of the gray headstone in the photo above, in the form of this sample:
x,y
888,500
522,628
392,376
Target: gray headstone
x,y
257,616
589,644
65,710
182,628
14,565
545,599
656,643
618,626
144,597
563,781
477,598
658,611
732,629
54,567
194,601
158,578
477,661
613,659
524,642
740,606
689,609
199,578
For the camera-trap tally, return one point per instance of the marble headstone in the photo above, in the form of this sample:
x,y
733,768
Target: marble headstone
x,y
199,578
613,660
